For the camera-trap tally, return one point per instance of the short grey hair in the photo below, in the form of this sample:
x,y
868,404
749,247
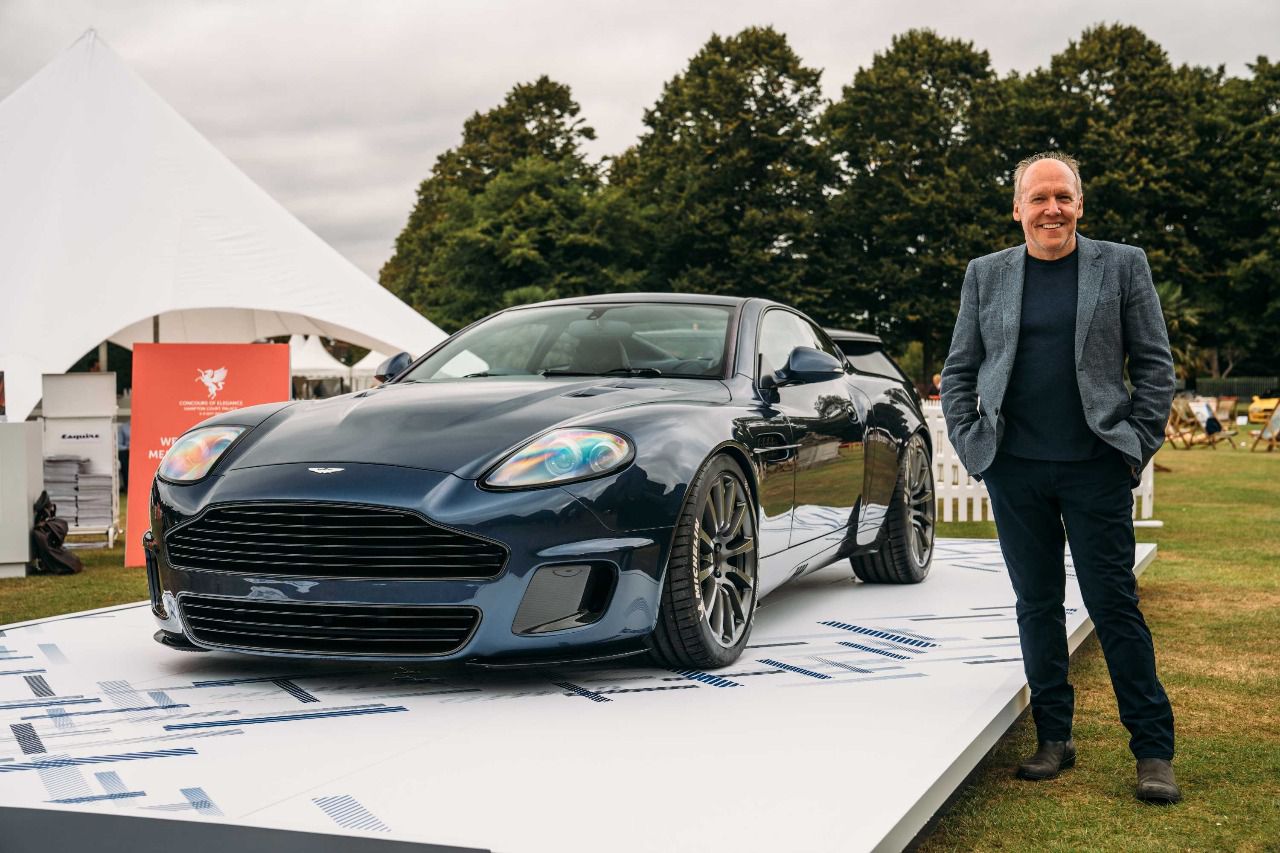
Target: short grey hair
x,y
1060,156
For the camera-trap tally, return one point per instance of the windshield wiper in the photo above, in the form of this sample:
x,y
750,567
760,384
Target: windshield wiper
x,y
617,371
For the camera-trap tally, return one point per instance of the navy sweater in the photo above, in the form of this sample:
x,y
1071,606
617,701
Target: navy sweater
x,y
1044,418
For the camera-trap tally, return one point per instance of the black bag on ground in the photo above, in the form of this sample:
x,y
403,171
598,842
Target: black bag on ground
x,y
47,537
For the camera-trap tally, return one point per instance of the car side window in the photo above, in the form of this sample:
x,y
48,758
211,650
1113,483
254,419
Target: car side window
x,y
821,341
780,333
870,358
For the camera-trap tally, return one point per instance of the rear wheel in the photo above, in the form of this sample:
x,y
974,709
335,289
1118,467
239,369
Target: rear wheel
x,y
907,548
709,593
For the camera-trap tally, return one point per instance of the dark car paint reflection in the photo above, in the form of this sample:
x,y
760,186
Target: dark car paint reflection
x,y
821,458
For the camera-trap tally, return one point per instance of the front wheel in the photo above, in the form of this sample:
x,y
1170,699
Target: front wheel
x,y
907,548
709,593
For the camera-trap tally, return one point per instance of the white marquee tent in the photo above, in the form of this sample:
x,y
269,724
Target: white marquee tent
x,y
114,210
310,360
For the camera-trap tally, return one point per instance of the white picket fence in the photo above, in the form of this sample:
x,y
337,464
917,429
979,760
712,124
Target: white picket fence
x,y
962,498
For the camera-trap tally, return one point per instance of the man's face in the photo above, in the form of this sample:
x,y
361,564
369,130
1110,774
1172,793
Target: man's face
x,y
1048,205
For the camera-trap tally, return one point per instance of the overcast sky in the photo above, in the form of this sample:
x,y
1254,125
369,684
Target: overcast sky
x,y
338,109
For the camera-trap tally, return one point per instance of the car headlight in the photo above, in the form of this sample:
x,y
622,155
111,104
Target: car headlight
x,y
561,456
191,457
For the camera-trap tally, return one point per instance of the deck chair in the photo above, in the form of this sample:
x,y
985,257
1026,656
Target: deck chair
x,y
1269,435
1225,410
1214,431
1183,424
1176,433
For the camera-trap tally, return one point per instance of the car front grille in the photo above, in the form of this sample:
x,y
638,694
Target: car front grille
x,y
372,630
329,540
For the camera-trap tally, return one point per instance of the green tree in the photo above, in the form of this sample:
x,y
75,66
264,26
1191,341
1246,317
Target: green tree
x,y
728,173
535,231
1244,305
535,120
917,196
1147,136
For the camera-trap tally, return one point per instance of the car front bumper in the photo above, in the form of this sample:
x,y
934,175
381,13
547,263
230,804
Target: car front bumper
x,y
542,529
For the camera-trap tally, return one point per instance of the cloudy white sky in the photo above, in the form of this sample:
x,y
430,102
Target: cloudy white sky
x,y
338,109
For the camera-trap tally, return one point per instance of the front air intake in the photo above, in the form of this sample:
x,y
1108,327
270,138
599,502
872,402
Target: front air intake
x,y
330,540
371,630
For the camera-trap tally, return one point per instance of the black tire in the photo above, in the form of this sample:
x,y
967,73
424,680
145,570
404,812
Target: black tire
x,y
719,564
906,549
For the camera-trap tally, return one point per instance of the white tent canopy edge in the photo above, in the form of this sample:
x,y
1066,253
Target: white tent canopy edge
x,y
116,210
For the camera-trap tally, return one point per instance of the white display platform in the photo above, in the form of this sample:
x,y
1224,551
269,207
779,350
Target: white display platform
x,y
856,711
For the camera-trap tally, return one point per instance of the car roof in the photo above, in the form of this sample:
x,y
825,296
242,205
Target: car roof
x,y
838,335
684,298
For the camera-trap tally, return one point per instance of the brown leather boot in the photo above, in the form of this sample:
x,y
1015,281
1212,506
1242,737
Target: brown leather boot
x,y
1155,782
1051,758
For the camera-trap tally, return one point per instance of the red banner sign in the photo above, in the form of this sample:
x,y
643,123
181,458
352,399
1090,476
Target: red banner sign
x,y
175,387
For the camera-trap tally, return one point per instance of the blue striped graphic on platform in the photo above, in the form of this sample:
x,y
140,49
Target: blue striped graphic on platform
x,y
111,782
93,798
227,682
160,697
28,740
286,718
70,700
884,635
53,653
294,690
200,801
38,685
705,678
347,813
582,691
847,667
96,759
874,650
61,719
52,711
22,671
62,782
651,689
121,693
789,668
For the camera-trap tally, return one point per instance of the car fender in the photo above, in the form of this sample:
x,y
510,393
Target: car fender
x,y
672,442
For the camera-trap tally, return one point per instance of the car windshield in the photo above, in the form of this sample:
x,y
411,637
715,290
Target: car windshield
x,y
623,339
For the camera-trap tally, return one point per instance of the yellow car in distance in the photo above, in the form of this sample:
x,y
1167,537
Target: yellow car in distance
x,y
1262,406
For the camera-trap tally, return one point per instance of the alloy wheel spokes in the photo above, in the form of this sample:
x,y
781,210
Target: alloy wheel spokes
x,y
726,560
921,504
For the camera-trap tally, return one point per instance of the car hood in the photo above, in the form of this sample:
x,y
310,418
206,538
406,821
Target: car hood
x,y
458,427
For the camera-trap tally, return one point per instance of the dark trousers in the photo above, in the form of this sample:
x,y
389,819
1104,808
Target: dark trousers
x,y
1033,501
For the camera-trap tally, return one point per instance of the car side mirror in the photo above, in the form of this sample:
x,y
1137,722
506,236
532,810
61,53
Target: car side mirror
x,y
805,365
393,366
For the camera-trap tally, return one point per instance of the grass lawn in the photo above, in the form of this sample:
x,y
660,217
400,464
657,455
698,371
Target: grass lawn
x,y
1212,598
103,582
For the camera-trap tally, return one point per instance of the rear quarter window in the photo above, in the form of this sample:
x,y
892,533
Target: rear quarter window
x,y
870,358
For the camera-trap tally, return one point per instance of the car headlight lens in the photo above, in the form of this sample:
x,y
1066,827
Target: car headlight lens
x,y
560,456
191,457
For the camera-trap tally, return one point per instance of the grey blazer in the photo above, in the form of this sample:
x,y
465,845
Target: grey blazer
x,y
1117,317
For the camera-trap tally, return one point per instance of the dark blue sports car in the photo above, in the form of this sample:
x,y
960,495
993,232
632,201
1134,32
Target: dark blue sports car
x,y
580,479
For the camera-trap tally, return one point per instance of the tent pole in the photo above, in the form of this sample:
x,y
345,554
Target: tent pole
x,y
155,329
102,356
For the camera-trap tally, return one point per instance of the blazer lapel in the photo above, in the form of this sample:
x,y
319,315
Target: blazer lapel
x,y
1088,286
1011,297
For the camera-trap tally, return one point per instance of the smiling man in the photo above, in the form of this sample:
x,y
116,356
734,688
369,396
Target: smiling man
x,y
1036,404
